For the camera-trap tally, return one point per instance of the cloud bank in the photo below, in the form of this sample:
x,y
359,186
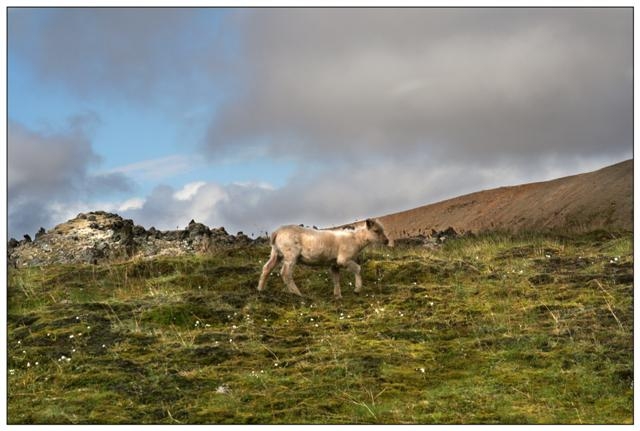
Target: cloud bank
x,y
472,85
142,55
380,109
49,169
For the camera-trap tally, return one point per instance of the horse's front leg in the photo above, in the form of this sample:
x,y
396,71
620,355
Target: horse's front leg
x,y
335,276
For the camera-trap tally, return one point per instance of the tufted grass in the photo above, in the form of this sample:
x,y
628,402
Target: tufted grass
x,y
494,329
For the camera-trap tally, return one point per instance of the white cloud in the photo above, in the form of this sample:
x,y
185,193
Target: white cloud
x,y
253,184
159,168
188,191
166,208
131,204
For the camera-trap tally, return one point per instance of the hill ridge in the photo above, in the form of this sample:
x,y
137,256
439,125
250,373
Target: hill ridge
x,y
601,199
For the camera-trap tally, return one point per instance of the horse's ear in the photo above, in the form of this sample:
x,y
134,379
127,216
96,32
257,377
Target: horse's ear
x,y
370,223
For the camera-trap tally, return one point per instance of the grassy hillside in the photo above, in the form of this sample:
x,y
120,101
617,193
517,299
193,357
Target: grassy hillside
x,y
493,329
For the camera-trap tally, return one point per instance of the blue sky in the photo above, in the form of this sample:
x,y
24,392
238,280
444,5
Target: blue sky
x,y
252,118
129,136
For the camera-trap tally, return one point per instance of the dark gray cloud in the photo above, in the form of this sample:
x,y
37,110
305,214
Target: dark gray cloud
x,y
47,169
477,85
136,53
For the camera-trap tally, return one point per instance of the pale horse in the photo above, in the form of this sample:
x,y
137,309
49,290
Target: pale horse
x,y
334,247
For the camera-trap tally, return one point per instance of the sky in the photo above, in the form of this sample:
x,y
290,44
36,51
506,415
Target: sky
x,y
251,118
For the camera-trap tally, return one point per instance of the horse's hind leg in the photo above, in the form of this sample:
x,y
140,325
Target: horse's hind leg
x,y
267,268
287,276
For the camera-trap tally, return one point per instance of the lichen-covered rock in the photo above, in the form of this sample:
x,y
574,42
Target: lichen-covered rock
x,y
100,236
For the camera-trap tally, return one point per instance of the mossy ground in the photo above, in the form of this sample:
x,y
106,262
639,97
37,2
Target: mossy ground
x,y
494,329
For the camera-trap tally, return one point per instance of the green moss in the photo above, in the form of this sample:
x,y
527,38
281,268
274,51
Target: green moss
x,y
493,329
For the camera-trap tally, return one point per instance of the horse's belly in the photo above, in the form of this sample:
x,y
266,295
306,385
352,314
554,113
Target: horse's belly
x,y
317,258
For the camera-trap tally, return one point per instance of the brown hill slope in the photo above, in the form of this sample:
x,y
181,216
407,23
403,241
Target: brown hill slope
x,y
601,199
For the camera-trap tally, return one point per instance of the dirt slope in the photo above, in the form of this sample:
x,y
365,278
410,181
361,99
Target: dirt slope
x,y
594,200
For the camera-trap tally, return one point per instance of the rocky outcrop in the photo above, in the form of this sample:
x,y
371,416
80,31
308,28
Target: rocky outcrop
x,y
432,240
99,236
